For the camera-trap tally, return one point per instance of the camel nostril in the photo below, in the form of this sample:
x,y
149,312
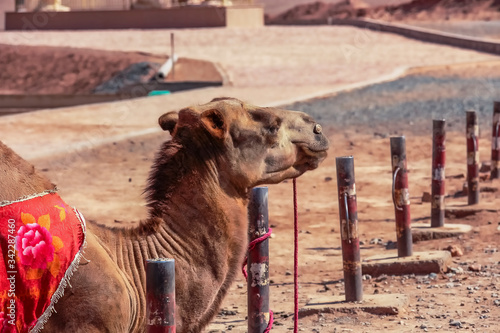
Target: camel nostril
x,y
317,129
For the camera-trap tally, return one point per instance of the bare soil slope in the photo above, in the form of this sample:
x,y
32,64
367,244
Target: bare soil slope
x,y
275,7
66,70
60,70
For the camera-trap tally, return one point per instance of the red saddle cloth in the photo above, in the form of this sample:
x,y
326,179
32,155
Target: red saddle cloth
x,y
42,240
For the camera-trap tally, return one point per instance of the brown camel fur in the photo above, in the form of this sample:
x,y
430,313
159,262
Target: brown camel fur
x,y
197,197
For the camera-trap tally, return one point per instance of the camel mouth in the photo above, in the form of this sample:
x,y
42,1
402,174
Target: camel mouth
x,y
312,151
309,158
305,158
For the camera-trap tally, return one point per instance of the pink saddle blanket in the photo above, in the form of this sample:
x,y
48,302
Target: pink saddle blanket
x,y
42,239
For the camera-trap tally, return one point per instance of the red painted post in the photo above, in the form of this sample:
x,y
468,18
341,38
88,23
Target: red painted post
x,y
258,262
438,175
348,212
472,132
401,196
160,295
495,142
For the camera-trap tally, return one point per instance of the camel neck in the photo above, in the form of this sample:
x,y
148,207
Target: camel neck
x,y
204,233
194,219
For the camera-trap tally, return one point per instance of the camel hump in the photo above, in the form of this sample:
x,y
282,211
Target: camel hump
x,y
168,121
19,178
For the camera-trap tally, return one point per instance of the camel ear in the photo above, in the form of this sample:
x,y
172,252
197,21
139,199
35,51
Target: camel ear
x,y
215,122
168,121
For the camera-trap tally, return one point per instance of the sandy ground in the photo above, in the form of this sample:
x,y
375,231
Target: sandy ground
x,y
102,178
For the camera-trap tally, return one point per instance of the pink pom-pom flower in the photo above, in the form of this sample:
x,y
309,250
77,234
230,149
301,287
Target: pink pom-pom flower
x,y
34,246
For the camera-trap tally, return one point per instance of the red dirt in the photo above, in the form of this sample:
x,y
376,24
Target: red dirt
x,y
414,10
65,70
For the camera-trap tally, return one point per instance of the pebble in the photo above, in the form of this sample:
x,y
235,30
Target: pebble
x,y
426,197
485,166
455,251
475,268
227,313
390,245
457,270
455,323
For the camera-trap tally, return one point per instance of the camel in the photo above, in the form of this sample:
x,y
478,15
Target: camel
x,y
197,197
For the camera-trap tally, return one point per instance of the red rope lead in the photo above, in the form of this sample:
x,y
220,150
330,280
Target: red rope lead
x,y
295,258
251,246
271,320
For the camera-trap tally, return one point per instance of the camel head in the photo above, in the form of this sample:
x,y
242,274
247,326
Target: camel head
x,y
250,145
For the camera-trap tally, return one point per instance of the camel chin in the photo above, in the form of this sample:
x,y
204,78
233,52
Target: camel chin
x,y
197,197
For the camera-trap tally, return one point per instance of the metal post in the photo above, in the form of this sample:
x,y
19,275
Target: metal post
x,y
348,212
472,132
495,142
258,262
160,295
438,176
401,196
172,54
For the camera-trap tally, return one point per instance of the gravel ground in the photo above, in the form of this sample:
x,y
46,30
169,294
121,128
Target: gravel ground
x,y
410,101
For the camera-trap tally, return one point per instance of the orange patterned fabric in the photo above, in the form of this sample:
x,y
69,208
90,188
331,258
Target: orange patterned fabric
x,y
41,239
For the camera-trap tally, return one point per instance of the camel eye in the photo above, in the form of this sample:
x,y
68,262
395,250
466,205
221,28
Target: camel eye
x,y
274,126
273,130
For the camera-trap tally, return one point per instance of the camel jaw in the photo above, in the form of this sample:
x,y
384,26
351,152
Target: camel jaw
x,y
304,159
310,157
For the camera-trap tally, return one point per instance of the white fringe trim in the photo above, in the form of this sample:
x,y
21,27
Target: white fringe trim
x,y
65,280
28,197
